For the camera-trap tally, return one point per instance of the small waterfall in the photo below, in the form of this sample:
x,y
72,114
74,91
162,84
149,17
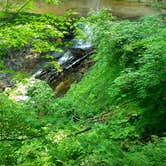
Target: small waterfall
x,y
84,43
37,73
65,58
71,56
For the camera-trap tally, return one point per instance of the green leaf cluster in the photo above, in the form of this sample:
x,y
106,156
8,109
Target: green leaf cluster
x,y
111,117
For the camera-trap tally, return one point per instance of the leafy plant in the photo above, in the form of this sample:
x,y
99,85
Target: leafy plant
x,y
109,117
19,6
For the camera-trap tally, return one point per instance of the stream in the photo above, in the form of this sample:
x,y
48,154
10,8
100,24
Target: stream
x,y
121,8
73,60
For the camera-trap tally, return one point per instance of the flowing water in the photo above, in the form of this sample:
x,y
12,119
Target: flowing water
x,y
122,8
81,46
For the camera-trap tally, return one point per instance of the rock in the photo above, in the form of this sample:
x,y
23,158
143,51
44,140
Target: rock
x,y
22,61
5,80
63,87
66,60
2,85
20,91
77,52
57,55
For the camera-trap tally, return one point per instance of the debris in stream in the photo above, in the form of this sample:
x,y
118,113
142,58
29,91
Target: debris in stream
x,y
68,60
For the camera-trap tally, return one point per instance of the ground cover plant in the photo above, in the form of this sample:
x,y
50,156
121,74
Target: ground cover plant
x,y
113,116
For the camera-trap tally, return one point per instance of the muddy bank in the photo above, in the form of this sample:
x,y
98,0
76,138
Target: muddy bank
x,y
121,8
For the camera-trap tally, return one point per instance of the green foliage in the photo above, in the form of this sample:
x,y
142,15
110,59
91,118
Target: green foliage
x,y
37,36
142,59
23,122
149,155
85,98
9,111
41,96
99,121
19,6
157,4
11,129
37,33
33,33
130,66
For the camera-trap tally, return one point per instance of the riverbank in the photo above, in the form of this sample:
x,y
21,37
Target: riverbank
x,y
120,8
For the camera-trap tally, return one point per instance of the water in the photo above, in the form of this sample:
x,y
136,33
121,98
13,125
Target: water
x,y
121,8
84,43
65,58
70,56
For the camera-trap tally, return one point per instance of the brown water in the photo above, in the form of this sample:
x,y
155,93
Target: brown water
x,y
120,8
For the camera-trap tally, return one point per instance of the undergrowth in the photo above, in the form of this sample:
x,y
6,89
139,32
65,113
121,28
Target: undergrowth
x,y
113,116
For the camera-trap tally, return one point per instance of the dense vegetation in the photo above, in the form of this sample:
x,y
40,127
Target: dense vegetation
x,y
114,116
157,4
